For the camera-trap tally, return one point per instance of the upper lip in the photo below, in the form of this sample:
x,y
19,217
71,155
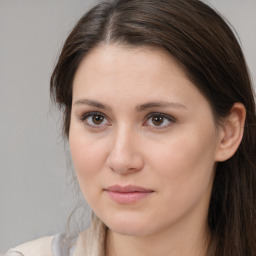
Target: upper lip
x,y
127,189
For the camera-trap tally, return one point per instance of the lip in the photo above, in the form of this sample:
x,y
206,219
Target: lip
x,y
127,194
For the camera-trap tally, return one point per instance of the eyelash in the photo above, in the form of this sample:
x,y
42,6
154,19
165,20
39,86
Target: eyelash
x,y
91,114
169,118
161,115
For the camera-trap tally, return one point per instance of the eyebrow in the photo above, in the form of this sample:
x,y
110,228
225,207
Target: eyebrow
x,y
92,103
139,108
160,104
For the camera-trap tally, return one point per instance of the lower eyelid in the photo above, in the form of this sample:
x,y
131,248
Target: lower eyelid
x,y
162,126
83,118
89,115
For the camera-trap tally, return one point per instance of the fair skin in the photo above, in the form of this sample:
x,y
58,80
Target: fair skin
x,y
138,120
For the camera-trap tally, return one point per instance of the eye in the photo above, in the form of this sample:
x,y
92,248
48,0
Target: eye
x,y
158,120
95,119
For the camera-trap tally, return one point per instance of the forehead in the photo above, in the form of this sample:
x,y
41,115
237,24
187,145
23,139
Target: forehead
x,y
118,65
116,74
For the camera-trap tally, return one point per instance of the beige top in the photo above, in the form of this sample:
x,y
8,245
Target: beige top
x,y
88,243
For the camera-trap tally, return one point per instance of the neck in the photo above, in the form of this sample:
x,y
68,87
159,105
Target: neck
x,y
165,243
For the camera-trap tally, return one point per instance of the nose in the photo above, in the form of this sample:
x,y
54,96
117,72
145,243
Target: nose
x,y
125,155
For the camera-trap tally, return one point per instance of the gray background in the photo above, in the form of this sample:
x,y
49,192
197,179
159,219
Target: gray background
x,y
36,191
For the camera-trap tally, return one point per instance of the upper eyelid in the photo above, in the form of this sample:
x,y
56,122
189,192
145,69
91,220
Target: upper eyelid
x,y
84,116
90,113
169,117
148,116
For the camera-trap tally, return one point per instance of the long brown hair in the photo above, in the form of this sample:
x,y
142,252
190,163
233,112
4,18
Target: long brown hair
x,y
199,39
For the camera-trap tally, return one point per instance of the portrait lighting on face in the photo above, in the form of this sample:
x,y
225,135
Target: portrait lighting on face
x,y
145,144
159,116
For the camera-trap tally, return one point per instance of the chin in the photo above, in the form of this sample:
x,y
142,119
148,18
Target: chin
x,y
129,230
129,225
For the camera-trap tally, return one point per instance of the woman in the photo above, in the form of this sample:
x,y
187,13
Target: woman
x,y
160,117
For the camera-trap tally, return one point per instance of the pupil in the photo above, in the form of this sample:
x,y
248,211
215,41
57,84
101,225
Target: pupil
x,y
97,119
158,120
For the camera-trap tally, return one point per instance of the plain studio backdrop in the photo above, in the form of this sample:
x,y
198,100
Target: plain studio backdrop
x,y
36,196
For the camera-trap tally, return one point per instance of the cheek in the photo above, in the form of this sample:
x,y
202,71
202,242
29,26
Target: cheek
x,y
185,166
88,157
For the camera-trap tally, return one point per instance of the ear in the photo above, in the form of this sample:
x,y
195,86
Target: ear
x,y
231,132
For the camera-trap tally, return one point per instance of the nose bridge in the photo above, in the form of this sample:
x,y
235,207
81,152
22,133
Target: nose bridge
x,y
124,155
123,139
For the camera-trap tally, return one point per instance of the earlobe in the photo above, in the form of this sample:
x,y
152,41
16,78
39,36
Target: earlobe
x,y
231,133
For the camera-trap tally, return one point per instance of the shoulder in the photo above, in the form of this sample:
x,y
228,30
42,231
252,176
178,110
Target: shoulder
x,y
91,241
39,247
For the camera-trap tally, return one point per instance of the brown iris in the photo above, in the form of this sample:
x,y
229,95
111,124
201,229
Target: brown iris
x,y
157,120
97,119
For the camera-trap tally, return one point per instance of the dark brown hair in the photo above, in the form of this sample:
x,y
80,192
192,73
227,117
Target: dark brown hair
x,y
205,47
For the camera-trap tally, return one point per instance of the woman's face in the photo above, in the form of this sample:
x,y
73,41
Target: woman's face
x,y
143,141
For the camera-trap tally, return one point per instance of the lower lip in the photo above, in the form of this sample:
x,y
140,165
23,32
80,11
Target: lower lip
x,y
127,198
